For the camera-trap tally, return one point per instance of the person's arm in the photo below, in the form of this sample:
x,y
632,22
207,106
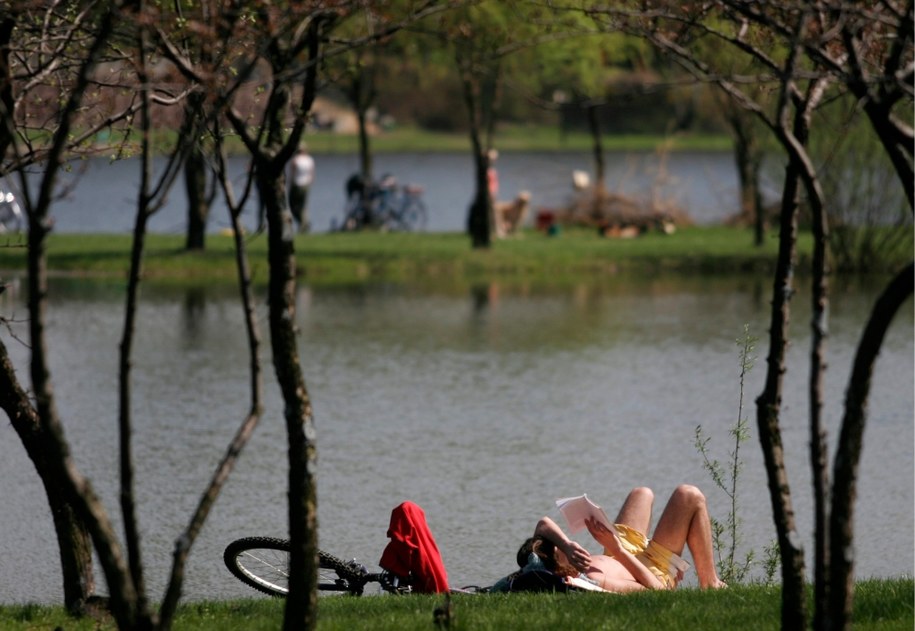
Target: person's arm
x,y
613,547
577,555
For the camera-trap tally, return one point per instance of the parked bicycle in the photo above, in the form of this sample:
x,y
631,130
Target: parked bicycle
x,y
384,206
263,563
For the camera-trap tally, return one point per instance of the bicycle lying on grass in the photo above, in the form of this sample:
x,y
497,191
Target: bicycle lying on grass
x,y
263,563
410,562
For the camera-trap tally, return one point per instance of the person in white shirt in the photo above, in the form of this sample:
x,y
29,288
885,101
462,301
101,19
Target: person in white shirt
x,y
302,173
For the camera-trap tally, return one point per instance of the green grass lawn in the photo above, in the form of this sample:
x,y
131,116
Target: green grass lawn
x,y
509,137
879,604
418,257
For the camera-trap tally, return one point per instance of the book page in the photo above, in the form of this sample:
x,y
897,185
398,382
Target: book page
x,y
577,509
584,584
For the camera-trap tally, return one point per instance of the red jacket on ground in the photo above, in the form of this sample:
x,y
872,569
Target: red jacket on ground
x,y
412,550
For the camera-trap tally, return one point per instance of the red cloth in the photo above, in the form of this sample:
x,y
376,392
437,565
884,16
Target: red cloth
x,y
412,551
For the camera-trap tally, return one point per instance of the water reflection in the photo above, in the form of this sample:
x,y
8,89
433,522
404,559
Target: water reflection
x,y
454,397
193,314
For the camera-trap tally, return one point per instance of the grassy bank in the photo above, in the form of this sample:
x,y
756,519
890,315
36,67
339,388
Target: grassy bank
x,y
879,604
437,258
512,138
509,137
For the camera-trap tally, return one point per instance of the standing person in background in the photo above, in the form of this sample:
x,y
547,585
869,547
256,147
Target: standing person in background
x,y
302,167
492,176
492,182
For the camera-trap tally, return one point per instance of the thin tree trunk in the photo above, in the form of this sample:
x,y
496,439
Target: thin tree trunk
x,y
479,220
125,430
301,605
363,95
848,451
819,333
7,103
186,540
597,149
748,157
479,217
73,542
768,410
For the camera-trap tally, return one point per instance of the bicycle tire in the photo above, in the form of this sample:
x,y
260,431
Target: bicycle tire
x,y
262,563
418,216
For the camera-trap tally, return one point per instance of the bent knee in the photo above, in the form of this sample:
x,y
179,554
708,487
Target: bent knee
x,y
642,492
690,493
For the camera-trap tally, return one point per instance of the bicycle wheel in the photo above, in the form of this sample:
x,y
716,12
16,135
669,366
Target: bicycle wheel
x,y
263,564
415,215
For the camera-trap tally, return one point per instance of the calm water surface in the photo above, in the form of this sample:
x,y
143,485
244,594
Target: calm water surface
x,y
481,404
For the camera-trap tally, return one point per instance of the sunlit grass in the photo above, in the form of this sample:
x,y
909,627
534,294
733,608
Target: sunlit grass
x,y
508,137
879,605
428,257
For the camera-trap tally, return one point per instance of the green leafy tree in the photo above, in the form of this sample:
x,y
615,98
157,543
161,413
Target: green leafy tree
x,y
484,39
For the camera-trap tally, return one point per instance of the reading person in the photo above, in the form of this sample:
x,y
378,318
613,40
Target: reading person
x,y
630,561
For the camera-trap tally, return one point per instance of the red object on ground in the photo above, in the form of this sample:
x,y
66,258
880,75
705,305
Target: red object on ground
x,y
412,550
545,220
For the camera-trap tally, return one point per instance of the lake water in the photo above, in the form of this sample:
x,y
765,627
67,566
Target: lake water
x,y
102,196
481,404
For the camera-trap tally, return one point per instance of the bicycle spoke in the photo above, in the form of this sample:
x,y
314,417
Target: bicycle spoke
x,y
268,567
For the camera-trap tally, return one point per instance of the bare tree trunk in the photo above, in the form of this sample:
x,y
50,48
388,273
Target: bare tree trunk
x,y
7,103
74,545
76,513
362,94
597,149
819,332
195,176
748,157
848,452
365,151
301,605
125,430
186,540
767,414
479,217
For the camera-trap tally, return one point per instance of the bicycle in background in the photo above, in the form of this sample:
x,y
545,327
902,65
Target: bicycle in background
x,y
384,206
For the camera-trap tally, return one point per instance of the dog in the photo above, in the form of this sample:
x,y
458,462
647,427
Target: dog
x,y
510,216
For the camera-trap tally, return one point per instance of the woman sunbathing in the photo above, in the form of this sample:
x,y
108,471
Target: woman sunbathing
x,y
630,561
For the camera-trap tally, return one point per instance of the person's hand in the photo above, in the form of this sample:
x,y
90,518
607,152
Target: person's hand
x,y
578,557
603,535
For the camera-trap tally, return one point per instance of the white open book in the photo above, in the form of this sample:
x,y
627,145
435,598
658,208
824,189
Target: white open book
x,y
577,509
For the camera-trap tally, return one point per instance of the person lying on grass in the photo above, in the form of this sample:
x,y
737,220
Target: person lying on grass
x,y
630,561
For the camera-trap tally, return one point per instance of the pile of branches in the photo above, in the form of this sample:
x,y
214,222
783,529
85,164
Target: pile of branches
x,y
617,215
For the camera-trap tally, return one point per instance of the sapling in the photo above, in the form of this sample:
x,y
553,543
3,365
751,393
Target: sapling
x,y
727,536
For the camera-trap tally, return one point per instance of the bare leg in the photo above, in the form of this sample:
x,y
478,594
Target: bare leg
x,y
685,522
636,510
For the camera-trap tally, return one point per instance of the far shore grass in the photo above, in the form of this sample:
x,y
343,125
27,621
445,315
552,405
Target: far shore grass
x,y
348,258
508,138
884,604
